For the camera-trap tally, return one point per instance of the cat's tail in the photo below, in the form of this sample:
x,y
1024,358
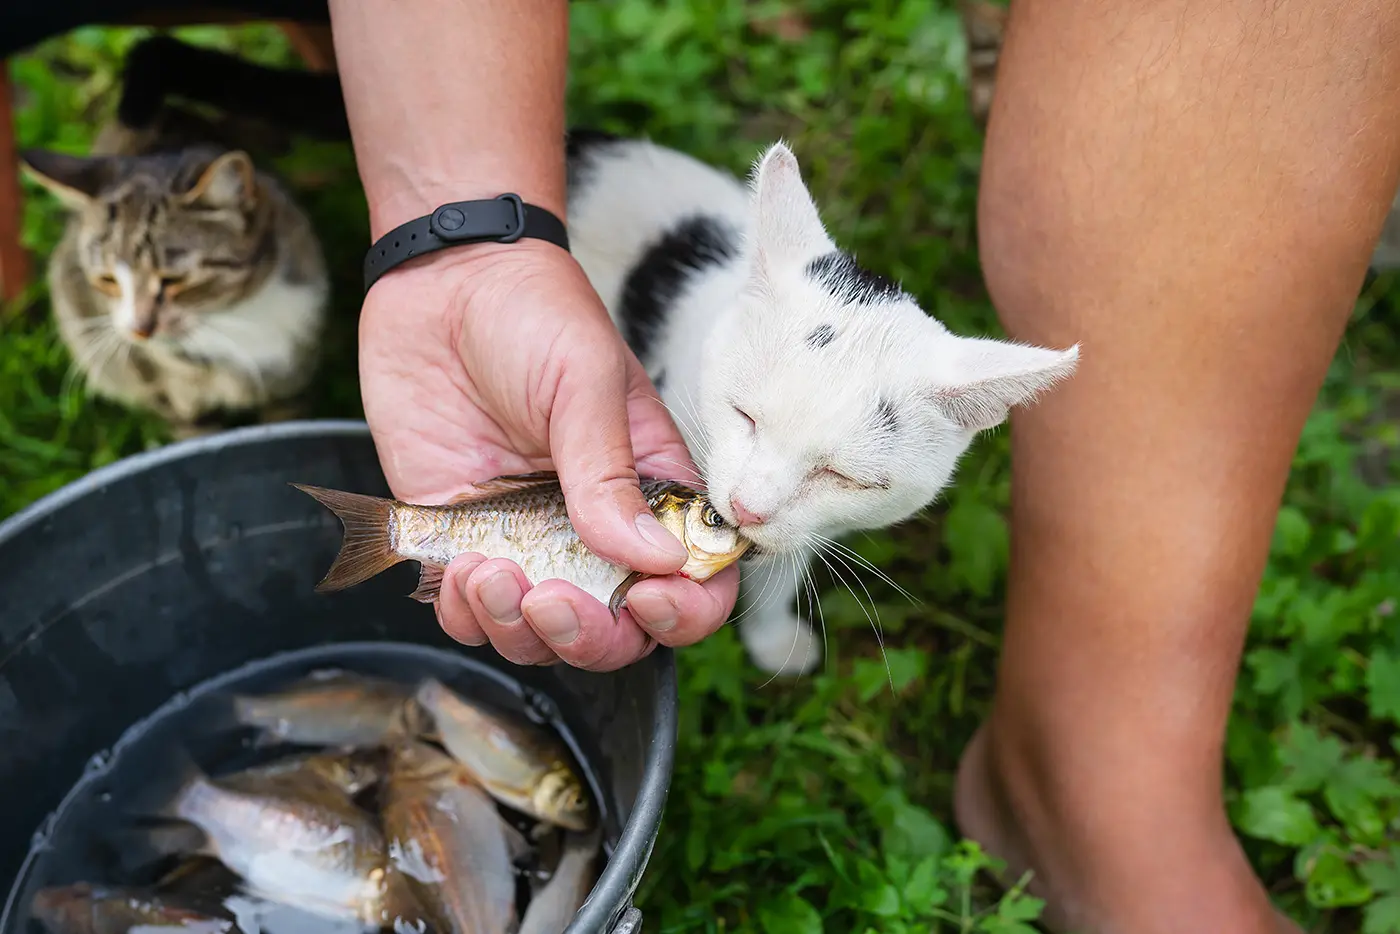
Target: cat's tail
x,y
293,99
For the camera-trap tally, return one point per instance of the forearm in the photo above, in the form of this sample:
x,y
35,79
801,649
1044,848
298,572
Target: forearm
x,y
450,101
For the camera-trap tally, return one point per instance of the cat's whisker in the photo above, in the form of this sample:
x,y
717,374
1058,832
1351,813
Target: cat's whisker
x,y
760,603
796,635
815,602
80,357
688,425
693,414
699,480
866,564
874,620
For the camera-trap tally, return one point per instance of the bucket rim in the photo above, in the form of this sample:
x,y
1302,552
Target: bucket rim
x,y
133,464
611,896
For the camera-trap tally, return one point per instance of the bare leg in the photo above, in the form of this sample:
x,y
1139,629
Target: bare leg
x,y
1192,189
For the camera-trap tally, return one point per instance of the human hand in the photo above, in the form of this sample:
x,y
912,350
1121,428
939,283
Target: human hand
x,y
491,360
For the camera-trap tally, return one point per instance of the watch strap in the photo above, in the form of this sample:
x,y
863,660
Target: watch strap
x,y
504,219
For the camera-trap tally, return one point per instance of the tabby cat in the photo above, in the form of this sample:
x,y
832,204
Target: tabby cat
x,y
187,282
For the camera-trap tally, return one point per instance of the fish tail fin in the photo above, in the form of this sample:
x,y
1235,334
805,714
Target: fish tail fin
x,y
366,550
164,798
157,826
259,713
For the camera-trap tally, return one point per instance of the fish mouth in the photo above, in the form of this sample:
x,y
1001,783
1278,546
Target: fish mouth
x,y
703,567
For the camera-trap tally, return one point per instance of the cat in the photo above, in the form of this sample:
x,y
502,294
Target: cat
x,y
187,282
817,397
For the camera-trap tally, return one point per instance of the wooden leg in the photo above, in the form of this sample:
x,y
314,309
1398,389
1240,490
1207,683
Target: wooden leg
x,y
312,41
14,262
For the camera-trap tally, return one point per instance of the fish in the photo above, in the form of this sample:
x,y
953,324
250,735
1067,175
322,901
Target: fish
x,y
521,517
449,842
519,763
84,908
351,771
293,837
559,899
332,708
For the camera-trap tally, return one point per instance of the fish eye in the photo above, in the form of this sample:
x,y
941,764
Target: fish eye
x,y
711,517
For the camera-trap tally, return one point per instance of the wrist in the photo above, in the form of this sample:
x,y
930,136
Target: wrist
x,y
406,196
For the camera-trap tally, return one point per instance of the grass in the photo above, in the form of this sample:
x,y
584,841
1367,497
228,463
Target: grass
x,y
824,805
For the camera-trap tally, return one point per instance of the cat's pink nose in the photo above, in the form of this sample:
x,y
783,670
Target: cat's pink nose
x,y
744,514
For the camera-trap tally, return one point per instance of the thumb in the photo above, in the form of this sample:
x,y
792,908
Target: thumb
x,y
591,446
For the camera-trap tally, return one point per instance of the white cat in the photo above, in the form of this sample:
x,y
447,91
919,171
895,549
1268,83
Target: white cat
x,y
817,397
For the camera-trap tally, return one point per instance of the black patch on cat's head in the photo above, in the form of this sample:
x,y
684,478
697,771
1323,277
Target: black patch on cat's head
x,y
840,274
887,416
821,336
683,252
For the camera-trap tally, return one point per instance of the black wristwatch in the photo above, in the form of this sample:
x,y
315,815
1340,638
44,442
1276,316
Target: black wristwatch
x,y
504,219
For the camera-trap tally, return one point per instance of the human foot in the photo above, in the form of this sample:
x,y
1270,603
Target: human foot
x,y
1113,866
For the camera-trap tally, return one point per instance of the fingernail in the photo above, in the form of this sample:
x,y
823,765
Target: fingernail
x,y
656,535
654,611
500,594
556,621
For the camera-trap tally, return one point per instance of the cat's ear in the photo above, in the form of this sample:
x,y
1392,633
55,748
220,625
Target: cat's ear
x,y
994,375
74,180
787,226
227,182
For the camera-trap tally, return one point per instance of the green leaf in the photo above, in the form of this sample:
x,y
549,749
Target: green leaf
x,y
977,542
1309,756
922,891
1383,875
908,830
1291,532
1383,685
877,896
905,667
1274,813
1354,792
1334,883
1382,916
1278,673
789,913
1020,908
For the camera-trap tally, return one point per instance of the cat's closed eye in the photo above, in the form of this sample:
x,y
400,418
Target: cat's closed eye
x,y
107,284
836,476
753,426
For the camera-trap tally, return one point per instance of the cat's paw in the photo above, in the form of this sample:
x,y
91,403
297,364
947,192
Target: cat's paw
x,y
785,645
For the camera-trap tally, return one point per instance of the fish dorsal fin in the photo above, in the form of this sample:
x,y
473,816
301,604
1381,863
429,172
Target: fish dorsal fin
x,y
510,483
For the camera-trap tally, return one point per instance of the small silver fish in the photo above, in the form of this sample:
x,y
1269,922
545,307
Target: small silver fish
x,y
332,708
522,518
352,771
556,903
519,763
82,908
448,841
294,837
